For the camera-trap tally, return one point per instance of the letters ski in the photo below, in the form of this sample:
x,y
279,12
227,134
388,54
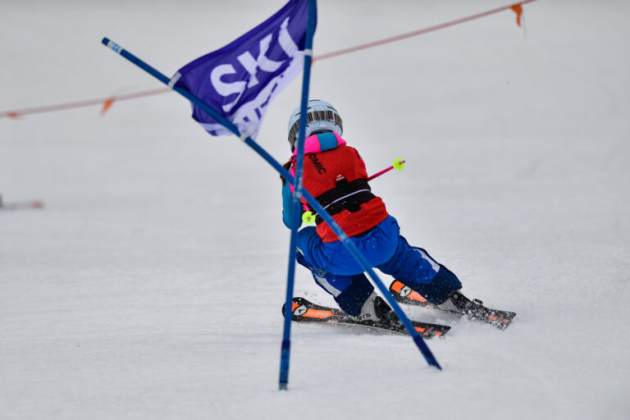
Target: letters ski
x,y
240,80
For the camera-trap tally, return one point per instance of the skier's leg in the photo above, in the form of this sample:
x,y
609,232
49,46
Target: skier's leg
x,y
415,267
349,291
355,295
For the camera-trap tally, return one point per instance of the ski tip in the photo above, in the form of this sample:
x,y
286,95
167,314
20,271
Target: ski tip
x,y
506,322
499,319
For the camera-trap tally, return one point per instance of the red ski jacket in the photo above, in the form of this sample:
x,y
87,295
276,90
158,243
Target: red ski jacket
x,y
335,175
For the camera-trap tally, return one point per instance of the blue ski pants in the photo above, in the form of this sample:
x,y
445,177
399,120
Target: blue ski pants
x,y
337,272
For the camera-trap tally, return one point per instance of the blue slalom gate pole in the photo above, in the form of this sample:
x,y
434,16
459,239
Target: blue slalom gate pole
x,y
343,238
285,353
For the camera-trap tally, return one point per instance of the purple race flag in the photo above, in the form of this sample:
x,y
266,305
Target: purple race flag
x,y
240,80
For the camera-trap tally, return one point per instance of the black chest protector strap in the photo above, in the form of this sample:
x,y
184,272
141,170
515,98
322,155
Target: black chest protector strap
x,y
345,196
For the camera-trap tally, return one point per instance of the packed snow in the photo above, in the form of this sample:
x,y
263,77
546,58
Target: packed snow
x,y
150,284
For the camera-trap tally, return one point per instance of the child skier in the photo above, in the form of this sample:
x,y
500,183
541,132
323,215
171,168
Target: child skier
x,y
336,176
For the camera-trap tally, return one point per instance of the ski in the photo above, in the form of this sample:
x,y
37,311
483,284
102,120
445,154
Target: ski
x,y
473,309
306,311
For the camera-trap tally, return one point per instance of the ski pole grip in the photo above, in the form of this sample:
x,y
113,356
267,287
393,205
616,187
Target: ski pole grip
x,y
308,217
399,164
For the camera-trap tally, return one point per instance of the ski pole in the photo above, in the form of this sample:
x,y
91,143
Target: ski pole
x,y
399,164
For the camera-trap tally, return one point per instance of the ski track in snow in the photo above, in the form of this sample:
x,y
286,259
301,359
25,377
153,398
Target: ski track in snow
x,y
150,285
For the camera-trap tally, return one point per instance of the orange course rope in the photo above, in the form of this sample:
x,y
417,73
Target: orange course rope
x,y
515,7
108,102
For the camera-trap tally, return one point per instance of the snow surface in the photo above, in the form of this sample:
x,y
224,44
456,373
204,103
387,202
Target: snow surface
x,y
150,285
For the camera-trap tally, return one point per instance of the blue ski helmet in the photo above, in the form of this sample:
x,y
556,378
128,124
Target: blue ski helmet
x,y
320,117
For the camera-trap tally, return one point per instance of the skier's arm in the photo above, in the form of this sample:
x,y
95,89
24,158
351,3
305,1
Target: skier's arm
x,y
287,205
